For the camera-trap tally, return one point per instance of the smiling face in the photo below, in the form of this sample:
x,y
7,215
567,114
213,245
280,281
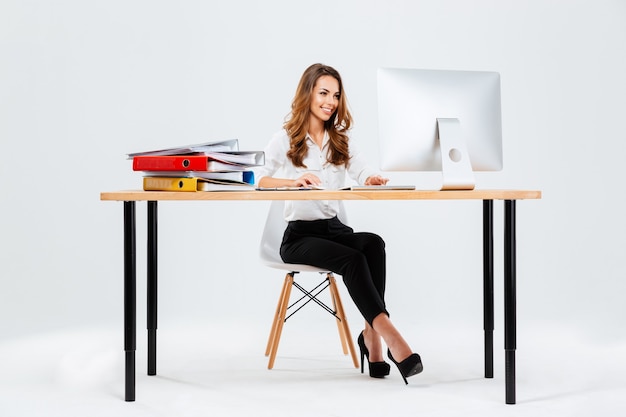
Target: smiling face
x,y
324,99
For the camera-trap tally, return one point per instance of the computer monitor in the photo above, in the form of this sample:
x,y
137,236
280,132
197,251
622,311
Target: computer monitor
x,y
440,120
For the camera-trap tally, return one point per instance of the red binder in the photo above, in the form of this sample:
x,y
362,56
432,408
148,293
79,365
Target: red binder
x,y
233,160
171,163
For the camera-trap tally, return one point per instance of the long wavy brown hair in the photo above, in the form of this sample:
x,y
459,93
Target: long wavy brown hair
x,y
298,120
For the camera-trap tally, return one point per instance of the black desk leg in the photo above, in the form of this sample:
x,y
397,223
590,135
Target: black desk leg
x,y
488,310
510,320
130,299
152,286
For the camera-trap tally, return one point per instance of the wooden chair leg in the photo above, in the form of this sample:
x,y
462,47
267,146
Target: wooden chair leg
x,y
270,340
343,321
280,319
333,296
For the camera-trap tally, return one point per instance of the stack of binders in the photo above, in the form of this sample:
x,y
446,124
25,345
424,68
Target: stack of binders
x,y
212,166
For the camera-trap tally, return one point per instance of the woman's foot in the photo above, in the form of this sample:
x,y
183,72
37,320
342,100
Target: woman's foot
x,y
411,365
373,345
396,344
398,350
377,369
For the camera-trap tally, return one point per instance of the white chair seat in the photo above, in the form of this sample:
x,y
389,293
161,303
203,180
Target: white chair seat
x,y
270,256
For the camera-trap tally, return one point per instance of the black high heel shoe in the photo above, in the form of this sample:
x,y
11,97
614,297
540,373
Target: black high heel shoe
x,y
408,367
377,369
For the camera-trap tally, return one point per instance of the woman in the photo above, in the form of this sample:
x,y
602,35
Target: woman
x,y
314,149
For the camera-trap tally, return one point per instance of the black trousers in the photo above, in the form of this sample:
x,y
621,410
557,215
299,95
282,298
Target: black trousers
x,y
358,257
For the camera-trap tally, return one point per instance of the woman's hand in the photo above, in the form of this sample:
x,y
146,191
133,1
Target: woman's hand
x,y
376,180
306,180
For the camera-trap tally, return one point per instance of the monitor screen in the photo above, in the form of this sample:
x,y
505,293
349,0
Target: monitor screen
x,y
419,108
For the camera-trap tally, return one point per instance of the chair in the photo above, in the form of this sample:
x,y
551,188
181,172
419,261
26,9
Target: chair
x,y
270,246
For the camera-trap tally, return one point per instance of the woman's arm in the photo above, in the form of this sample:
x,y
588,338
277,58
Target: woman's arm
x,y
275,159
304,181
359,170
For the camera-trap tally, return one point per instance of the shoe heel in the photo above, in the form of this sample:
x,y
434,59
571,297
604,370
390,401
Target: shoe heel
x,y
376,369
362,359
361,342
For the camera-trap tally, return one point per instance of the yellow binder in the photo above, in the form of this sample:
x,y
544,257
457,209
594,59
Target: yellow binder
x,y
170,184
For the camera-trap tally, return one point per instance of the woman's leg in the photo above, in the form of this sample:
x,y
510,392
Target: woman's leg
x,y
399,348
372,247
360,259
343,260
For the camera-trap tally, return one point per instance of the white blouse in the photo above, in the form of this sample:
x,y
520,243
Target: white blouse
x,y
333,177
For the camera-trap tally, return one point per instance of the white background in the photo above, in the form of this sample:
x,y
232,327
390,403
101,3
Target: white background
x,y
84,83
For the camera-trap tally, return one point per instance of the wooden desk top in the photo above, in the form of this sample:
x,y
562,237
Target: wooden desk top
x,y
139,195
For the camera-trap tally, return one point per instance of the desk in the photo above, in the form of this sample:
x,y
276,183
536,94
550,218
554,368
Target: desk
x,y
486,196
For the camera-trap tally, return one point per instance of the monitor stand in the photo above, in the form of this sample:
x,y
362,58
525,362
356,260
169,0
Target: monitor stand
x,y
455,161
